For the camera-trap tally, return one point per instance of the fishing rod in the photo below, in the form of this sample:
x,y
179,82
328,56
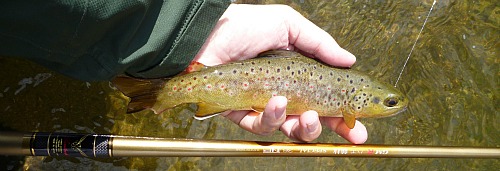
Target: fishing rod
x,y
95,145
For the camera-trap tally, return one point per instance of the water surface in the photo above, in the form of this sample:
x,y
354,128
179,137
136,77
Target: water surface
x,y
451,81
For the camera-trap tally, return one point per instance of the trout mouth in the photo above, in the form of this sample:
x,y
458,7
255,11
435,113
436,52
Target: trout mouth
x,y
400,110
387,113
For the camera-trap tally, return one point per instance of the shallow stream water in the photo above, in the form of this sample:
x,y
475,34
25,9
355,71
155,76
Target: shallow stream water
x,y
451,81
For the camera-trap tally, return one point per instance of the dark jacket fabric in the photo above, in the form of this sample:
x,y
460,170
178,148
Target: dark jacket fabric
x,y
96,40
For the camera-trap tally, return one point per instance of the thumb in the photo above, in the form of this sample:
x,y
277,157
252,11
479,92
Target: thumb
x,y
312,40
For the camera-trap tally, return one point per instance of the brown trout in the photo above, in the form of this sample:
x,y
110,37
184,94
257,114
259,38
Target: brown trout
x,y
248,85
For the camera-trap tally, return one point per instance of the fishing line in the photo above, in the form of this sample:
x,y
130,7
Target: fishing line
x,y
413,47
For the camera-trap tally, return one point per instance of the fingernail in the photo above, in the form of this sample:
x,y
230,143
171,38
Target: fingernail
x,y
311,127
351,57
280,111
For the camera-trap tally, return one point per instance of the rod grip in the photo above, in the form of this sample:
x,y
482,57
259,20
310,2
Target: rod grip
x,y
75,145
55,144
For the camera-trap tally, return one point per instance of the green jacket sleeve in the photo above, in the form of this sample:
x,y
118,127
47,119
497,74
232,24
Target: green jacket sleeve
x,y
97,40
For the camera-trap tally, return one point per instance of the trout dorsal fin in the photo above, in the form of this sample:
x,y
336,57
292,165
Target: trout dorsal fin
x,y
278,54
142,92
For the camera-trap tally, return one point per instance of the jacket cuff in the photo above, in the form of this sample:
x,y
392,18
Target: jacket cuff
x,y
196,28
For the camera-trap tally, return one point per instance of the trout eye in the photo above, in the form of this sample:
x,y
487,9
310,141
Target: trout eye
x,y
390,102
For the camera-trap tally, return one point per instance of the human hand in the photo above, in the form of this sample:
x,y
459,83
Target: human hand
x,y
244,31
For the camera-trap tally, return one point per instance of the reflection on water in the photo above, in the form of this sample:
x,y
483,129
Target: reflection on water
x,y
451,80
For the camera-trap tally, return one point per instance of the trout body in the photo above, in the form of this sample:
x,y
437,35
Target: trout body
x,y
248,85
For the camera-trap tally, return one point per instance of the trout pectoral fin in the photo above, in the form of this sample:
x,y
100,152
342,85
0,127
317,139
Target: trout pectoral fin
x,y
208,110
350,120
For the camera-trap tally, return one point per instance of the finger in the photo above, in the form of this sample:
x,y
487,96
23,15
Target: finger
x,y
262,123
311,39
305,127
235,116
356,135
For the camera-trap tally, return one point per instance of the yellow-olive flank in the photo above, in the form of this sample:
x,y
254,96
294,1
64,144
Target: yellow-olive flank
x,y
249,84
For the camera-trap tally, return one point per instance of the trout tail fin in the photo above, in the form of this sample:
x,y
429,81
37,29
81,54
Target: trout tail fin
x,y
142,92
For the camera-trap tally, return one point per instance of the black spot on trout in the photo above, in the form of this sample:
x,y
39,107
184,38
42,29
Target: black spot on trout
x,y
250,89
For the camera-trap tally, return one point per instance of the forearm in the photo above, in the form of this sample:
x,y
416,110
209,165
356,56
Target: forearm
x,y
98,40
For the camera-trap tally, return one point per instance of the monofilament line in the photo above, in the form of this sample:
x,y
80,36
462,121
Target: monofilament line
x,y
413,47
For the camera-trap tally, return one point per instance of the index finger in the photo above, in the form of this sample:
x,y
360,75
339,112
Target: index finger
x,y
357,135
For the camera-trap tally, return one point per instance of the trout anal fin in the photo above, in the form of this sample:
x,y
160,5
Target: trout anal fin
x,y
208,110
206,117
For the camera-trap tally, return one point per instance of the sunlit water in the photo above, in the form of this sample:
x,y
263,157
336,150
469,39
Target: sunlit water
x,y
451,80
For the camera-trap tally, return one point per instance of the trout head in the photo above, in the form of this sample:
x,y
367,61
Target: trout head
x,y
377,100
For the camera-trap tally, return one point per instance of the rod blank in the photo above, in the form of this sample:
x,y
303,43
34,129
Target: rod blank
x,y
93,145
